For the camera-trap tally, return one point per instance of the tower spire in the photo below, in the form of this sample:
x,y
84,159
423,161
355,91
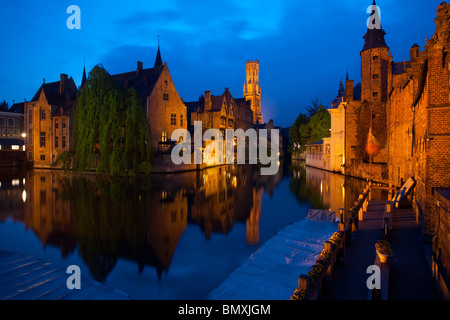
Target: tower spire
x,y
158,60
83,79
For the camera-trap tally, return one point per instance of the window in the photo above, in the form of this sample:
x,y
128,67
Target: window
x,y
165,96
64,141
56,142
173,119
181,120
2,121
166,83
30,116
6,133
56,124
63,124
11,122
375,58
15,133
42,139
42,114
375,76
375,94
164,136
43,158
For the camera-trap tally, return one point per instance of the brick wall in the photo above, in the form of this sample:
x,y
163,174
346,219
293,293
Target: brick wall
x,y
159,110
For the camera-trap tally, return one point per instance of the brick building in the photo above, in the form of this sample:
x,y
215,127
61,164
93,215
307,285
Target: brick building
x,y
48,121
408,105
165,109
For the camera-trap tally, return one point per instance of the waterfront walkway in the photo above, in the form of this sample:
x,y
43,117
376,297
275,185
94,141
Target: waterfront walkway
x,y
410,275
24,277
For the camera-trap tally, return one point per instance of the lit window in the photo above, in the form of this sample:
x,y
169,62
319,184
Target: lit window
x,y
173,119
164,136
15,147
15,133
6,133
42,139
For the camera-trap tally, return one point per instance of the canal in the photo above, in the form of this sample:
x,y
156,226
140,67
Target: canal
x,y
164,236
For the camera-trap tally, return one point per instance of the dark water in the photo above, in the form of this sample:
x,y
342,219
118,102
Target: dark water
x,y
166,236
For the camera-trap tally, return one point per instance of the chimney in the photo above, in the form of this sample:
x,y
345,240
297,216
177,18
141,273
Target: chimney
x,y
208,102
349,90
414,52
140,66
62,82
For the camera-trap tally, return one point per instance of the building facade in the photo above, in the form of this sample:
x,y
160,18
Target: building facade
x,y
407,107
165,110
12,128
48,121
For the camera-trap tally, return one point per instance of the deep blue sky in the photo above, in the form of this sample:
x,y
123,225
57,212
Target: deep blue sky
x,y
304,47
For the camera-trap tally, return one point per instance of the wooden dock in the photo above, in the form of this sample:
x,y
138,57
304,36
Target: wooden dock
x,y
410,277
25,277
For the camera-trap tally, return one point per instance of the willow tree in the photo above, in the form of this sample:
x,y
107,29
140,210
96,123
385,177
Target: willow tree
x,y
111,127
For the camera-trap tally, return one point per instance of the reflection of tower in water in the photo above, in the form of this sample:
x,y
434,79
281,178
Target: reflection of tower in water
x,y
254,218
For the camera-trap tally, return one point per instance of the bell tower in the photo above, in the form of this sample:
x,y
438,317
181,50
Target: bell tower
x,y
252,90
374,61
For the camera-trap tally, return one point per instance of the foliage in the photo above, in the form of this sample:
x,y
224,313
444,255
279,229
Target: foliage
x,y
110,218
111,131
310,129
298,294
383,247
65,161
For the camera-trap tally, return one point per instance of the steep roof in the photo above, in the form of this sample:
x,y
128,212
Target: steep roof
x,y
142,80
374,38
53,94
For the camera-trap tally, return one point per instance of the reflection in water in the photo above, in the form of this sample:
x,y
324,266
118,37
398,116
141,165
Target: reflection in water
x,y
143,219
140,219
324,190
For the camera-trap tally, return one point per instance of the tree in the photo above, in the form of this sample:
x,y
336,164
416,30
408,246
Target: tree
x,y
294,133
320,124
312,109
109,123
313,128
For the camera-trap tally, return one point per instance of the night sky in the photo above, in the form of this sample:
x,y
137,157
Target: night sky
x,y
304,47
